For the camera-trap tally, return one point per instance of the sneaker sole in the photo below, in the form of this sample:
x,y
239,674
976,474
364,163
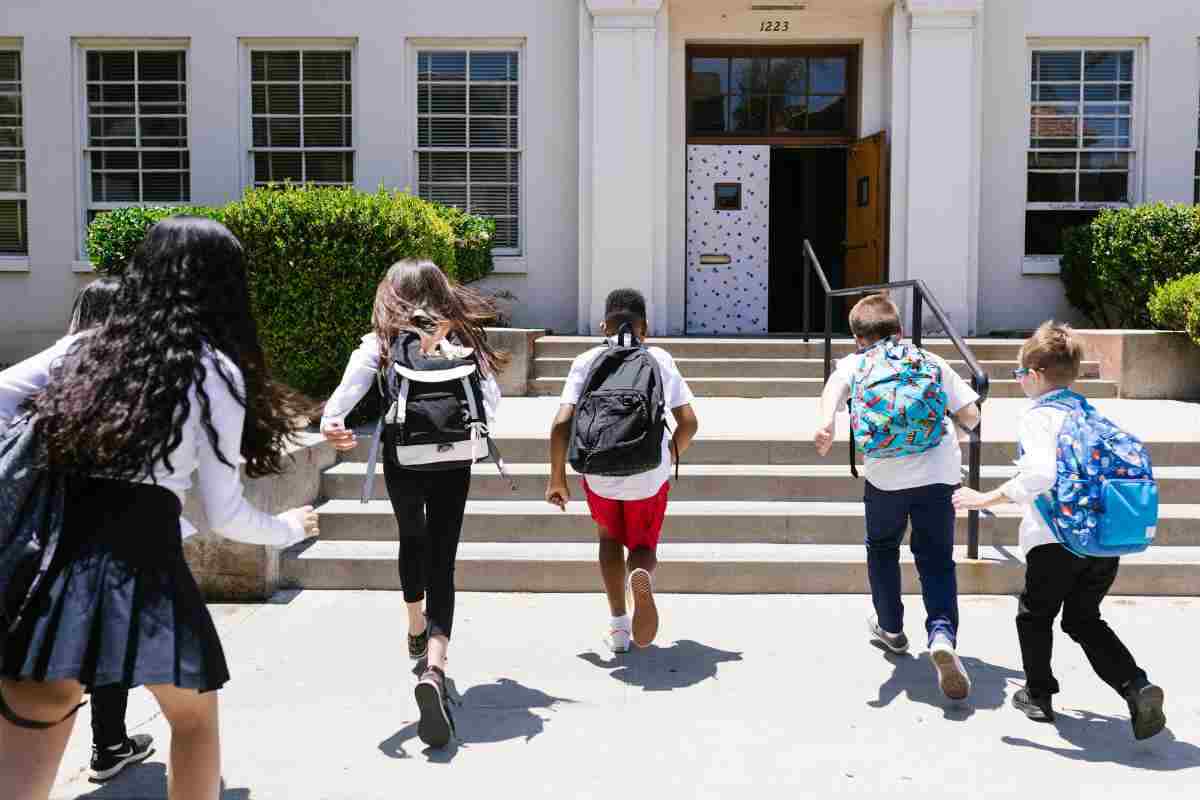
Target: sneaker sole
x,y
952,678
645,612
434,727
112,772
1150,719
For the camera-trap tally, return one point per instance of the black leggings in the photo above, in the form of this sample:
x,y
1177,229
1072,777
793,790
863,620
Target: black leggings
x,y
429,510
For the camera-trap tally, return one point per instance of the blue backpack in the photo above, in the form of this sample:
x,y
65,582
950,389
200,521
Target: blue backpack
x,y
1104,501
898,403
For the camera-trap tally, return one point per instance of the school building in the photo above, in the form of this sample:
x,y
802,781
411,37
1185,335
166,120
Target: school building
x,y
686,147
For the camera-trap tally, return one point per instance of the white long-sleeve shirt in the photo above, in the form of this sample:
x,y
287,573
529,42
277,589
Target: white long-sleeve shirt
x,y
360,374
1037,471
228,511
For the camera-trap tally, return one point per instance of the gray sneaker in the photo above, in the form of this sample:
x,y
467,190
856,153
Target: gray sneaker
x,y
895,642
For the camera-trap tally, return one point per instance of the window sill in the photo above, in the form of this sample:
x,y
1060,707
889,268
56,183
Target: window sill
x,y
83,267
509,265
14,263
1041,265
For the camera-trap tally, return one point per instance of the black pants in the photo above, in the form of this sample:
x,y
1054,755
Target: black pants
x,y
1057,579
429,510
108,715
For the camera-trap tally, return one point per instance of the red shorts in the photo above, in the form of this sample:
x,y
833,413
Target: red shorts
x,y
633,523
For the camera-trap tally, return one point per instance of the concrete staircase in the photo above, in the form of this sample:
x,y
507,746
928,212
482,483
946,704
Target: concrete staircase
x,y
754,510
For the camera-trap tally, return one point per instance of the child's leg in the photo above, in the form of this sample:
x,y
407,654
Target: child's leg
x,y
1049,576
643,527
932,543
29,757
195,771
643,558
886,518
612,571
108,716
447,501
407,495
1081,621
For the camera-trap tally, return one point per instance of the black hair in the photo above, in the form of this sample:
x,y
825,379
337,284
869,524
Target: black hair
x,y
624,306
93,304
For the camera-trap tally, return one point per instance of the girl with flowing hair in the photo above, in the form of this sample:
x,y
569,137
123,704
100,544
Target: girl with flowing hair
x,y
417,304
171,384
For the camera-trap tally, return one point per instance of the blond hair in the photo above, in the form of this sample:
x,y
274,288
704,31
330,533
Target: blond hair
x,y
1054,351
875,317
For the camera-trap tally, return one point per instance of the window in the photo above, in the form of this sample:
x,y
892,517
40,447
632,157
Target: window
x,y
1082,145
770,92
301,117
727,197
136,134
468,136
14,229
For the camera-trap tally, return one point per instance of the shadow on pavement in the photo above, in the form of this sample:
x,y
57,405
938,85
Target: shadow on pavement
x,y
147,781
915,677
663,669
484,714
1097,738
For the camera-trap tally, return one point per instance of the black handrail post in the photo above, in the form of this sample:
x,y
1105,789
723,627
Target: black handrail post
x,y
917,312
974,456
807,298
828,336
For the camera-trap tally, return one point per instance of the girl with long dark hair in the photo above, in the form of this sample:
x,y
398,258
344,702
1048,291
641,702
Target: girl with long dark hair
x,y
416,304
173,383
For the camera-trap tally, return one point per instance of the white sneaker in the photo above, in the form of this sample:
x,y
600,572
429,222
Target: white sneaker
x,y
894,642
952,677
645,612
618,640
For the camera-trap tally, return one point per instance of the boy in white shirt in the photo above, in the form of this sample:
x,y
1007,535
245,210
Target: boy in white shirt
x,y
1056,578
912,489
629,510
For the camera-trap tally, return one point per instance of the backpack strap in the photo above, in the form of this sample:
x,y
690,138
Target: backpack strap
x,y
479,426
396,409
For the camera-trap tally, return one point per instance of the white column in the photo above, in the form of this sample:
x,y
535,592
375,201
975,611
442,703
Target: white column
x,y
623,164
943,152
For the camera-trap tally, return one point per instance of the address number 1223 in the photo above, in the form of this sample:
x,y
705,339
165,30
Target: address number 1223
x,y
774,25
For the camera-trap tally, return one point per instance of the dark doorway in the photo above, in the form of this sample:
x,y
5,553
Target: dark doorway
x,y
808,201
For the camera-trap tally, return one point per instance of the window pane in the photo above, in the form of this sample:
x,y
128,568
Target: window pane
x,y
284,132
161,98
115,187
113,132
446,195
326,65
164,132
329,167
161,65
12,171
442,66
165,186
282,66
1051,65
489,99
826,113
1055,128
1043,229
326,132
487,132
114,160
443,167
283,99
492,200
506,234
14,234
1051,187
493,66
493,168
1104,187
1055,93
748,75
788,76
708,115
1108,66
788,113
827,76
10,66
444,132
278,167
325,98
445,99
710,77
1093,160
1052,160
748,114
111,65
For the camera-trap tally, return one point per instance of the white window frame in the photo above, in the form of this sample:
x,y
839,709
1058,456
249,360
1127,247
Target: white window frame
x,y
251,45
505,259
84,204
11,262
1051,264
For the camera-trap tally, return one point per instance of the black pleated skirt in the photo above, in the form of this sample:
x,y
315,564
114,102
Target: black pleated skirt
x,y
119,605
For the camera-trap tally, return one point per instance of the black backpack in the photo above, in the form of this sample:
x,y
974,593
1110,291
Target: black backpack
x,y
434,416
621,417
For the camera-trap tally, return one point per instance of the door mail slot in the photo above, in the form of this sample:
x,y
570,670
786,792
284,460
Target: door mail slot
x,y
707,259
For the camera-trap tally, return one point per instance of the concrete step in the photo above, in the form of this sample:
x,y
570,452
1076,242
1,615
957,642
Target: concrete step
x,y
807,387
700,347
770,368
720,482
706,568
777,522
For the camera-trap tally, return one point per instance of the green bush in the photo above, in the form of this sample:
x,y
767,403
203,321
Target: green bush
x,y
1193,322
1172,302
316,256
1110,271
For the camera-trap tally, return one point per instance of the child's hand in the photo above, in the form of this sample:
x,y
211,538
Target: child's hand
x,y
304,518
967,499
823,439
558,495
338,436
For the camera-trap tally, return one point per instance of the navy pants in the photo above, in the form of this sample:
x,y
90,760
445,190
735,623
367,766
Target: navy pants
x,y
108,715
931,514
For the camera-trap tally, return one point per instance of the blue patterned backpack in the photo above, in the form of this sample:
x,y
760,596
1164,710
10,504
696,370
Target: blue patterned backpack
x,y
1104,501
897,401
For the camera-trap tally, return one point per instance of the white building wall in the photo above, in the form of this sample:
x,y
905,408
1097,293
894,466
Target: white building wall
x,y
1170,34
34,303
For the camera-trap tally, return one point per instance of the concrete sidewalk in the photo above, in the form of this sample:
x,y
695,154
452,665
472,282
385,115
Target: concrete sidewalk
x,y
779,693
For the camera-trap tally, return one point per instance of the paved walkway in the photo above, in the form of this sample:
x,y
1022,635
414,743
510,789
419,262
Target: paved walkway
x,y
782,694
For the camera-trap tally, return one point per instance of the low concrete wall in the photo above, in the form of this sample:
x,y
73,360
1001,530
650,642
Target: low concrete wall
x,y
1146,365
518,342
228,570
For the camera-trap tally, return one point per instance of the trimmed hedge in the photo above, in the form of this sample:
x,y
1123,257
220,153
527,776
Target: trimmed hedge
x,y
316,256
1172,302
1111,267
472,242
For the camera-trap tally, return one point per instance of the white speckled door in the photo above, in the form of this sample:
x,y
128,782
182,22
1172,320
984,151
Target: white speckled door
x,y
728,216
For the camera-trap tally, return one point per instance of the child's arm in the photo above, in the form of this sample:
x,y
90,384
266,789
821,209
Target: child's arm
x,y
686,426
833,397
356,382
557,492
1037,469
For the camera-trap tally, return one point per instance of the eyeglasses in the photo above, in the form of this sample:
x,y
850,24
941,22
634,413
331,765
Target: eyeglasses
x,y
1021,372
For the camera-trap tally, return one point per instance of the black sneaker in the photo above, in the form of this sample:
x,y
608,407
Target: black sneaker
x,y
1145,709
1035,706
418,645
436,726
107,762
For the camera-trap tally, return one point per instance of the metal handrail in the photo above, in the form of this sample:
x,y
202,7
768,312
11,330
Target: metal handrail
x,y
921,297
